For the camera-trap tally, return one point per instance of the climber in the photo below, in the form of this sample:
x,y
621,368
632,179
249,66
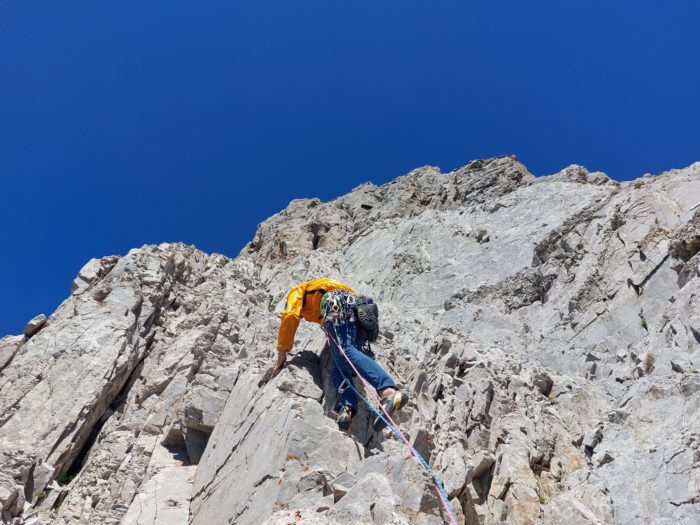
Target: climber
x,y
331,304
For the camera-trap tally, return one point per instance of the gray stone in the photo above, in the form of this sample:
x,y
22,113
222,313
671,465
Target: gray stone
x,y
481,463
8,347
342,484
35,325
454,463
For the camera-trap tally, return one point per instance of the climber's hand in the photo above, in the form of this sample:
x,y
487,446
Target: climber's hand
x,y
281,359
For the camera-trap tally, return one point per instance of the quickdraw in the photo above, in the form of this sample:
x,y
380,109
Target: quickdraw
x,y
344,386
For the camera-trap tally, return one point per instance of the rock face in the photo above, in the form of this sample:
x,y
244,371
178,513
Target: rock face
x,y
547,330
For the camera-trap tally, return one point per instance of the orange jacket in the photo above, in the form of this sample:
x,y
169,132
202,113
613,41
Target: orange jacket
x,y
304,301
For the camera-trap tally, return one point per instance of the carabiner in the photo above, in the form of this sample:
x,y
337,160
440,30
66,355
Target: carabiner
x,y
343,386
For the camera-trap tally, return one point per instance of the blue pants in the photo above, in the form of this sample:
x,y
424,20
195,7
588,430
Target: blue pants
x,y
345,332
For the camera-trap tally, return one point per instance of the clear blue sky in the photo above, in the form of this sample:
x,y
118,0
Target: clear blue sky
x,y
125,123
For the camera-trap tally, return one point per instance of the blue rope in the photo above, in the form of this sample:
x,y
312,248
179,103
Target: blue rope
x,y
396,432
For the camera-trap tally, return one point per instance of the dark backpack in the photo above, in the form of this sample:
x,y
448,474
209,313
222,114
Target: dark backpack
x,y
367,316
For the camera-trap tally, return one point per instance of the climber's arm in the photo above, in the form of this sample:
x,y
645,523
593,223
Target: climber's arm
x,y
288,326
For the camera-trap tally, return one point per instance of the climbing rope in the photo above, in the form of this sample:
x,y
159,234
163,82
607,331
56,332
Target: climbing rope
x,y
387,420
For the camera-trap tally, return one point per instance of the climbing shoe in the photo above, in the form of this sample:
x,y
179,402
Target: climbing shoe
x,y
344,418
391,405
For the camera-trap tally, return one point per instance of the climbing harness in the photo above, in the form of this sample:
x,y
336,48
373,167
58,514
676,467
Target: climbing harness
x,y
337,305
387,420
360,310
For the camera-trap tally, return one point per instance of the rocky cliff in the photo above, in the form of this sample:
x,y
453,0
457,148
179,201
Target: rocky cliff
x,y
547,329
